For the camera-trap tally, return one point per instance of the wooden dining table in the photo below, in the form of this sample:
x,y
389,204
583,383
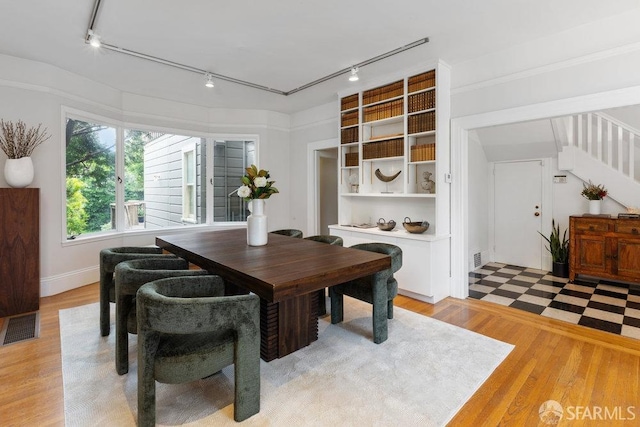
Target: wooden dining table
x,y
284,273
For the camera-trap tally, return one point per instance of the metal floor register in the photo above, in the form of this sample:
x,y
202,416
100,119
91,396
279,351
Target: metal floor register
x,y
20,328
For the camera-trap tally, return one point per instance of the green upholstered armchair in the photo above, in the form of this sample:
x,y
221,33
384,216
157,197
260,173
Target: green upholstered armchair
x,y
109,258
129,277
187,330
291,232
331,240
378,289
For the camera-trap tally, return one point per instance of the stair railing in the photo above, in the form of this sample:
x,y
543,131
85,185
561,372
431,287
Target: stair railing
x,y
605,138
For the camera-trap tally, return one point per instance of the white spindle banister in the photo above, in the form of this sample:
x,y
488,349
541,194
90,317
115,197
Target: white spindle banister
x,y
620,150
599,137
632,156
609,144
612,138
590,134
580,141
570,132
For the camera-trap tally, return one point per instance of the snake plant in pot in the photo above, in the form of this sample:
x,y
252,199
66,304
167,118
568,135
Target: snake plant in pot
x,y
559,249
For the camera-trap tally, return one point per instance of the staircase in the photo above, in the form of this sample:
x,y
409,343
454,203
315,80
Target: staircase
x,y
599,148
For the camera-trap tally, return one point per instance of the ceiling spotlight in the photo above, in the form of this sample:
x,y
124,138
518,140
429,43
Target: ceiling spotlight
x,y
209,78
354,75
94,39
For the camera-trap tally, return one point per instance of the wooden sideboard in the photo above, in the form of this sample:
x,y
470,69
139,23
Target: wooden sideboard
x,y
604,247
19,250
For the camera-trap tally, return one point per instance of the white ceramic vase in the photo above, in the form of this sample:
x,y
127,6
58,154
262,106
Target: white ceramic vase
x,y
594,207
257,224
18,172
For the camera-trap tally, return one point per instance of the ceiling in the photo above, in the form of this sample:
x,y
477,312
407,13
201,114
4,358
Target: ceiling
x,y
281,44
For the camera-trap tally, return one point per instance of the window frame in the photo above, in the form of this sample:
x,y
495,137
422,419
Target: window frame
x,y
120,126
189,187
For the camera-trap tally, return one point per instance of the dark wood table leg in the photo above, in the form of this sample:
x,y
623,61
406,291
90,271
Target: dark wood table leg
x,y
288,325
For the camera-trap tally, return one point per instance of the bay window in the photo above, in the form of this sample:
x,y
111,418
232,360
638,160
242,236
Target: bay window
x,y
122,179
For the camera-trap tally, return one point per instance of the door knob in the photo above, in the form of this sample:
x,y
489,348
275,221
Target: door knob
x,y
537,214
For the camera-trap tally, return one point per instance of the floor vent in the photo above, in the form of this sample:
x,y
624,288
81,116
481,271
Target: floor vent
x,y
477,260
20,328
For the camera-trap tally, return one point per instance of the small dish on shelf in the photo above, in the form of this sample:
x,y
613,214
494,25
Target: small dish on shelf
x,y
415,227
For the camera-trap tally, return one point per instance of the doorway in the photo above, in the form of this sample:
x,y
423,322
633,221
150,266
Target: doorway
x,y
322,185
327,179
460,128
517,207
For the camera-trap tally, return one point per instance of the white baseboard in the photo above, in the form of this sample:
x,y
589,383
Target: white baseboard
x,y
65,282
419,297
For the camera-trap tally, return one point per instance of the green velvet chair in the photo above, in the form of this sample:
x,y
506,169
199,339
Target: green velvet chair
x,y
109,258
129,277
291,232
331,240
187,330
378,289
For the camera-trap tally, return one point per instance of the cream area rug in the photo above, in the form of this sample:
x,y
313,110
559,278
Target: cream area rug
x,y
421,376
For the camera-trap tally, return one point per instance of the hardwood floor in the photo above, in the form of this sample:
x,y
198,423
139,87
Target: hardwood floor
x,y
552,360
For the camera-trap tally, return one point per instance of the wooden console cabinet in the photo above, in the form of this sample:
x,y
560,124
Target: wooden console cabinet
x,y
19,250
604,247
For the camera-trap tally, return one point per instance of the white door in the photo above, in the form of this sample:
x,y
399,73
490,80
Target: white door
x,y
518,213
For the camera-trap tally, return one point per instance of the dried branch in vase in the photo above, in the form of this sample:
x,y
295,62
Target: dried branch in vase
x,y
17,141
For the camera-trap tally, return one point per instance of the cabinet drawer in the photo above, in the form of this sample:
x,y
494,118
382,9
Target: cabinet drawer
x,y
631,227
592,226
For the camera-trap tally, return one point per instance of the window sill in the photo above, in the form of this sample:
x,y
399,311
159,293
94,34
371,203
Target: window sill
x,y
97,237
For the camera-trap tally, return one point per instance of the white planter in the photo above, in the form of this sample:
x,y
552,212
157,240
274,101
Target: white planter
x,y
18,172
594,207
257,224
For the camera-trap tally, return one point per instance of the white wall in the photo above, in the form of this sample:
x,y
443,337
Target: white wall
x,y
478,197
67,265
316,124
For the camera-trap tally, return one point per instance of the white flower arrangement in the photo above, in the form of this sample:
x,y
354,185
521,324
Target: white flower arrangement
x,y
256,185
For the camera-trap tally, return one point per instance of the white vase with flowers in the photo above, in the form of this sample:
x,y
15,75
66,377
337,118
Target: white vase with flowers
x,y
595,194
256,187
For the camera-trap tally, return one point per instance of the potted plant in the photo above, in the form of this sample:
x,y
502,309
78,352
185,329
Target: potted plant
x,y
559,249
18,143
141,213
595,194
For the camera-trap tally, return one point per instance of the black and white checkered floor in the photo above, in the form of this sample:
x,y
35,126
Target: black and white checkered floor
x,y
598,304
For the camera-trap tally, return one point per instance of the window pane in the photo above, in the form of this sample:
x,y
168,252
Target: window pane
x,y
134,167
90,177
230,158
154,176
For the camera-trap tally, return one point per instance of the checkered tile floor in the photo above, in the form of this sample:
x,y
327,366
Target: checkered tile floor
x,y
598,304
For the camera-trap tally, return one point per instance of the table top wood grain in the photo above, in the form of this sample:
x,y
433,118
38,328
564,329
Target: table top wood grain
x,y
285,267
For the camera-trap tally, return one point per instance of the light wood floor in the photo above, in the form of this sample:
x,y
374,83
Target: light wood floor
x,y
576,366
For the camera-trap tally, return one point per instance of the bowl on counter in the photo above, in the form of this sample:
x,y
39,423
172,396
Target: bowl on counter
x,y
386,226
415,227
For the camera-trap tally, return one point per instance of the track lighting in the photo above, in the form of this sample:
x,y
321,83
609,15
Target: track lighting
x,y
354,75
209,78
94,39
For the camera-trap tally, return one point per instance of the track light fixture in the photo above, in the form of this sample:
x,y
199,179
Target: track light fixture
x,y
209,78
354,75
94,39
